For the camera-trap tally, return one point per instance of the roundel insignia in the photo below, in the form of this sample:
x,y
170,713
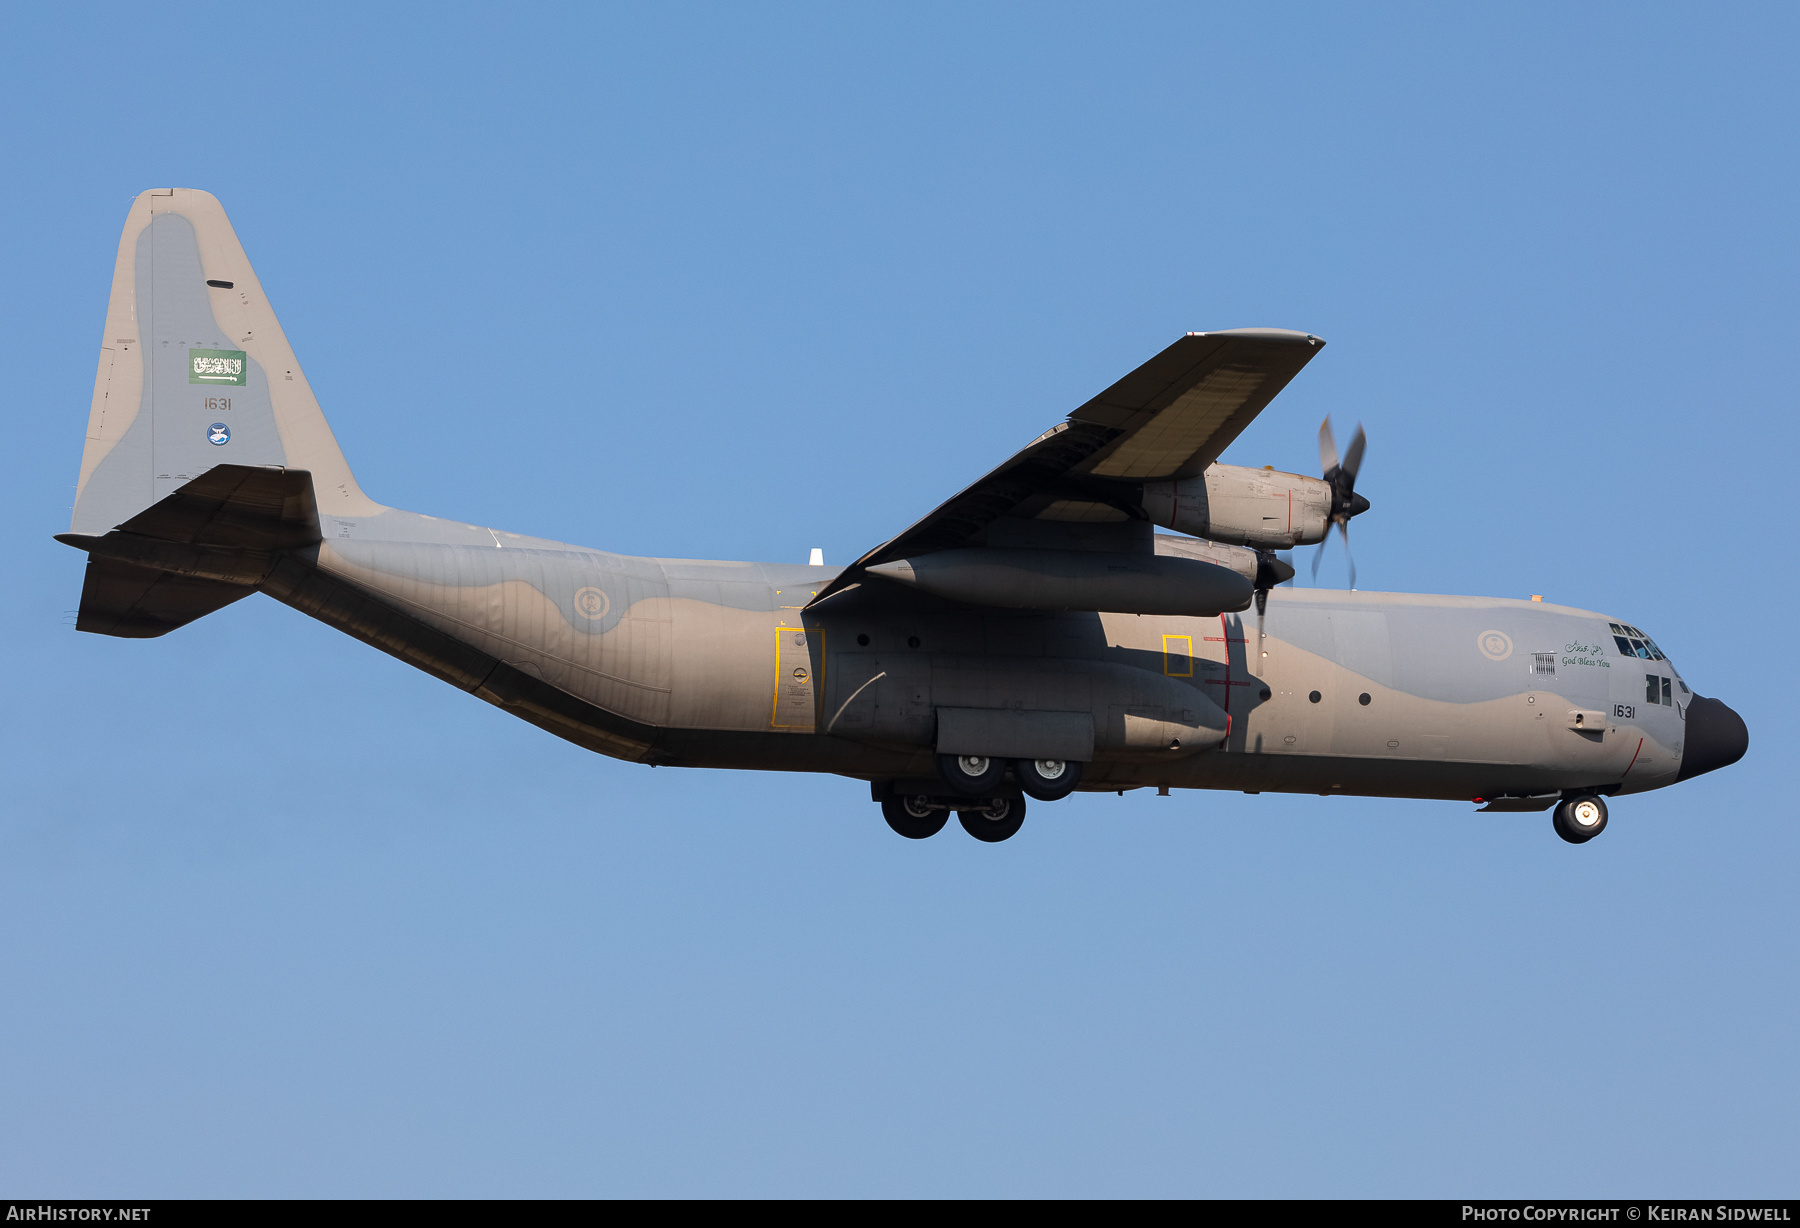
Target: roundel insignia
x,y
591,603
1494,645
218,433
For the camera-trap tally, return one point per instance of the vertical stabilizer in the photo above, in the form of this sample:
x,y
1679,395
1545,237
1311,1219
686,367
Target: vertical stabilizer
x,y
195,372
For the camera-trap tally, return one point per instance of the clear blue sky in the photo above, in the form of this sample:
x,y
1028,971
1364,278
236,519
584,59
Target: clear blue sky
x,y
279,915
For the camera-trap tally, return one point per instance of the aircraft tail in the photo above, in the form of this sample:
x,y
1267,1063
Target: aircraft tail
x,y
195,376
195,372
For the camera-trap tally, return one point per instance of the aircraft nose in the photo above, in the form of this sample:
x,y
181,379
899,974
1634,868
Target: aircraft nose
x,y
1716,737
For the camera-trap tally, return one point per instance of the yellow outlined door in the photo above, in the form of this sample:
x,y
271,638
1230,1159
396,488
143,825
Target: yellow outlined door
x,y
1178,656
797,686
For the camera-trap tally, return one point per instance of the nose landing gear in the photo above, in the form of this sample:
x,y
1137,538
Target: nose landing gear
x,y
1579,819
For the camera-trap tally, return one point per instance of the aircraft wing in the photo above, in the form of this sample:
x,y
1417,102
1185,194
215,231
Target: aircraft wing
x,y
1170,418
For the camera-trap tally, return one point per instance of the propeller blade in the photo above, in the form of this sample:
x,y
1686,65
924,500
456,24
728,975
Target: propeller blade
x,y
1328,457
1318,555
1271,569
1344,531
1353,458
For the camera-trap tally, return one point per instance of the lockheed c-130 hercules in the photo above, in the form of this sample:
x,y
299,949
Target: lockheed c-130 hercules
x,y
1032,636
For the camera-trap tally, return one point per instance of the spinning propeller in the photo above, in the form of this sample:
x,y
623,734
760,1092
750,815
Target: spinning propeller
x,y
1270,571
1341,476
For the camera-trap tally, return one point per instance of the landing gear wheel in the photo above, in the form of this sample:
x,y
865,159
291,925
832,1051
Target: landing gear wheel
x,y
973,775
1048,780
1579,819
998,819
911,817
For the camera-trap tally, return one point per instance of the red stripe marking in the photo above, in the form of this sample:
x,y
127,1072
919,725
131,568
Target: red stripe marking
x,y
1634,755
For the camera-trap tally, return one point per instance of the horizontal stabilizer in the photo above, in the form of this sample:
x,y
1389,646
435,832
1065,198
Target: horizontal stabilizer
x,y
133,603
210,543
235,505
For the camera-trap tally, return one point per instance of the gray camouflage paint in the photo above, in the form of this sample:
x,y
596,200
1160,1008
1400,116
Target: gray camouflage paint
x,y
720,664
698,646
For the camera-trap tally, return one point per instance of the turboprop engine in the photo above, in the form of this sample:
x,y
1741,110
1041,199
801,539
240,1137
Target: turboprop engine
x,y
1262,508
1260,567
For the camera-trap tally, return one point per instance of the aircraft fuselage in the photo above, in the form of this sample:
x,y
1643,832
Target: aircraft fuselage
x,y
720,664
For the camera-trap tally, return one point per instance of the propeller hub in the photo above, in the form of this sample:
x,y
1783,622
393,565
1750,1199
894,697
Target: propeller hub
x,y
1271,571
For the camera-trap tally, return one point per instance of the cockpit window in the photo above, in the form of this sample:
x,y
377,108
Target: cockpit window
x,y
1634,643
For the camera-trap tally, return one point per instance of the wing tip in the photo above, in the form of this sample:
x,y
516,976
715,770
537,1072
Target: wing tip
x,y
1265,334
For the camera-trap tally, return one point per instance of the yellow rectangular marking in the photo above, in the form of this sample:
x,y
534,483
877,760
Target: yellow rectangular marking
x,y
795,704
1178,650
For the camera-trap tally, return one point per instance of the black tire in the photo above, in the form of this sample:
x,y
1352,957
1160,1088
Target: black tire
x,y
1579,819
999,818
905,816
971,775
1048,780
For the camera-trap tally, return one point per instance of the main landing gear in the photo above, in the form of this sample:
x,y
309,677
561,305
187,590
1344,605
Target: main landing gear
x,y
914,815
1048,780
998,819
988,806
1579,819
989,819
975,787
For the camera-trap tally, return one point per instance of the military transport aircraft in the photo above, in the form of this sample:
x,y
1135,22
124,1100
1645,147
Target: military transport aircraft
x,y
1032,636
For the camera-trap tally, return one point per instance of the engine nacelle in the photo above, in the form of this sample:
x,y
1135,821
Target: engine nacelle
x,y
1246,507
1240,559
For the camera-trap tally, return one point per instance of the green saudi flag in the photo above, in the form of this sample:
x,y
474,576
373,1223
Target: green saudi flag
x,y
217,367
